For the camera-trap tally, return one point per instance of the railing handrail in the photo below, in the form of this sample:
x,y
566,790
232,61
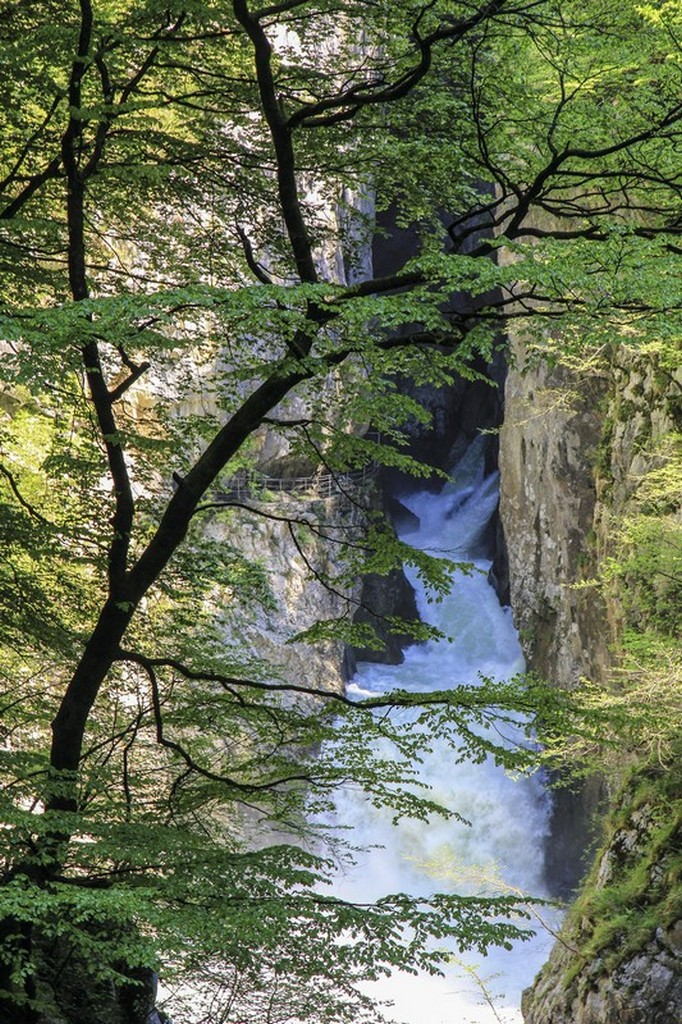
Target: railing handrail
x,y
321,485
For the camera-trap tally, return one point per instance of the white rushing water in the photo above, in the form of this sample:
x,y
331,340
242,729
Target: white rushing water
x,y
503,849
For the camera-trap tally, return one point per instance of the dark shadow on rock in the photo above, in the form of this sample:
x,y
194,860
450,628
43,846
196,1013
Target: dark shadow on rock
x,y
576,810
383,596
403,519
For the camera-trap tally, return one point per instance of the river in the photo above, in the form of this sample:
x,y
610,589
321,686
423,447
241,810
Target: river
x,y
503,850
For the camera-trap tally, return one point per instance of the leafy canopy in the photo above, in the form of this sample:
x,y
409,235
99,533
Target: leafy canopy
x,y
188,194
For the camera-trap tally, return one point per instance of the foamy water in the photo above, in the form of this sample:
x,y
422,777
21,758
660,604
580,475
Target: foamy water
x,y
503,849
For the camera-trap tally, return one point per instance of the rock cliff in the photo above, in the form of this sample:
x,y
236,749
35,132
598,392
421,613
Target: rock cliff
x,y
548,444
575,453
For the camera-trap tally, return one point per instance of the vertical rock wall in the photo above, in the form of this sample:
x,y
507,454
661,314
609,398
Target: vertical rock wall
x,y
298,597
548,444
572,452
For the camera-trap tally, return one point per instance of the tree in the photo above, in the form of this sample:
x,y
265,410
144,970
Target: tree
x,y
166,180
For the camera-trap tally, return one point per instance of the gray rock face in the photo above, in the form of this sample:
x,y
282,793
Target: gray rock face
x,y
625,981
547,503
569,468
548,441
298,597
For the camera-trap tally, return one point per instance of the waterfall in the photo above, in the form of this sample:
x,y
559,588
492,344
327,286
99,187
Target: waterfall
x,y
502,851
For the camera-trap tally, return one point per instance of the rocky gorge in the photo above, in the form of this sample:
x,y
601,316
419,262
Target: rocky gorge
x,y
576,450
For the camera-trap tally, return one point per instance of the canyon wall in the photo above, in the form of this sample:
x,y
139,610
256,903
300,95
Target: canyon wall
x,y
548,445
574,450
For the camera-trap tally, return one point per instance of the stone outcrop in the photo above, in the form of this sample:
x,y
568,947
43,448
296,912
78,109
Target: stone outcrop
x,y
548,445
645,989
623,965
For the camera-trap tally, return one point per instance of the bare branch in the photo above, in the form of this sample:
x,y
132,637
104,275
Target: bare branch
x,y
149,666
136,371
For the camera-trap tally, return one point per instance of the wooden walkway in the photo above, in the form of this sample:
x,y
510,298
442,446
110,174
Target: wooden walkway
x,y
318,486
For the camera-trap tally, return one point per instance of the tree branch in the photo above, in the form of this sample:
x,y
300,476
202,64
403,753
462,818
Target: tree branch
x,y
243,787
136,371
280,134
253,265
22,501
345,105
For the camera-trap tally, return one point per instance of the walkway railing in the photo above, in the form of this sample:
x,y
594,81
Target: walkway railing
x,y
318,485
